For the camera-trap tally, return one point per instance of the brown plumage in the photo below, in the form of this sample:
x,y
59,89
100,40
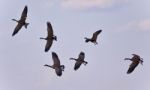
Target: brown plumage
x,y
135,61
94,37
50,37
57,66
79,60
22,21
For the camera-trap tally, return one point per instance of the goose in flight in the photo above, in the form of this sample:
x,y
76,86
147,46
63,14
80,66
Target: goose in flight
x,y
79,60
22,21
57,66
94,37
50,37
136,59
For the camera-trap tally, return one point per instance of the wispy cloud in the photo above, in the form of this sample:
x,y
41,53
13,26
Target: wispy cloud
x,y
85,4
142,25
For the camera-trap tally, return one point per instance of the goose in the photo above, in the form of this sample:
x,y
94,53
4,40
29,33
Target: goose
x,y
79,60
21,22
50,37
94,37
136,59
57,66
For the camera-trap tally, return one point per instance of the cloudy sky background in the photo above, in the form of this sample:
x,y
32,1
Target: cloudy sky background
x,y
126,30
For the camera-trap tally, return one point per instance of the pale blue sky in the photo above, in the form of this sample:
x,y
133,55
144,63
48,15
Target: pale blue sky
x,y
126,30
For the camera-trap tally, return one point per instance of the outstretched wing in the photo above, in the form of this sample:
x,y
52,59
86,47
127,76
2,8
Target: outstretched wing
x,y
132,66
77,65
24,13
49,36
49,30
48,45
55,59
95,34
135,57
17,28
58,71
81,56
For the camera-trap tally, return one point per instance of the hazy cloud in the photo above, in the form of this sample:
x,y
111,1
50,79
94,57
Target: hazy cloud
x,y
85,4
140,25
143,25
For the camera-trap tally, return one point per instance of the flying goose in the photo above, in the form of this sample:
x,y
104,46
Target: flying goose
x,y
136,59
50,37
79,60
94,37
57,66
21,22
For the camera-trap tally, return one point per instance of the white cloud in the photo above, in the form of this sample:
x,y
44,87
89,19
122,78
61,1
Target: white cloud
x,y
85,4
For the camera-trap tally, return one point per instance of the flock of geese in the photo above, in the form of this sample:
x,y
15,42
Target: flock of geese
x,y
136,59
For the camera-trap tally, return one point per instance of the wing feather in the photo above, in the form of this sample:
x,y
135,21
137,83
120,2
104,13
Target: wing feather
x,y
95,34
132,66
48,45
49,30
24,13
58,71
77,65
81,56
55,59
17,28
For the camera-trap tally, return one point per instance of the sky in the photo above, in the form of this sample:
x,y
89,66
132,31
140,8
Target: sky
x,y
125,28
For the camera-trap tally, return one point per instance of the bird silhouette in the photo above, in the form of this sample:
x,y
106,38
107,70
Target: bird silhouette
x,y
94,37
50,37
136,59
57,66
22,21
79,60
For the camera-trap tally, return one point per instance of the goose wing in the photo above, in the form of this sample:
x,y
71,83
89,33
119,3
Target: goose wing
x,y
132,66
49,36
77,65
55,59
136,57
48,45
81,56
58,71
17,28
24,13
95,34
49,30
